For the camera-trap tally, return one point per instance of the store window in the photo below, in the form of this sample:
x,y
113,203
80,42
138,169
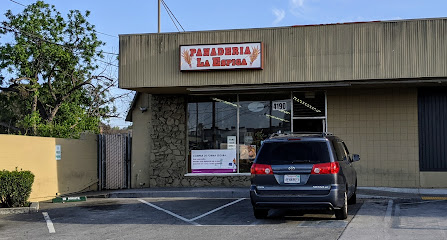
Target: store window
x,y
225,131
212,134
210,121
260,116
309,111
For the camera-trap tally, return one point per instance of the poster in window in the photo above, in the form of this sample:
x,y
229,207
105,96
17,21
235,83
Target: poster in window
x,y
248,151
231,142
213,161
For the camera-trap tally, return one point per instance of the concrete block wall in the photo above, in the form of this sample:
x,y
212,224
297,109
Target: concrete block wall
x,y
382,126
76,171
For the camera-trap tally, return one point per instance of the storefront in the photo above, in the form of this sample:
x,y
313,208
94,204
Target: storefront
x,y
206,100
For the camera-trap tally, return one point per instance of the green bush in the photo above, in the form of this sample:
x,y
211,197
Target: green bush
x,y
15,188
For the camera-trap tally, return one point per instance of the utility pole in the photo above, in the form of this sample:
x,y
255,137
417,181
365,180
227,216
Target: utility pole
x,y
159,1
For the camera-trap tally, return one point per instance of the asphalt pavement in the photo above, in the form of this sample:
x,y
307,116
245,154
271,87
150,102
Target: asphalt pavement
x,y
226,213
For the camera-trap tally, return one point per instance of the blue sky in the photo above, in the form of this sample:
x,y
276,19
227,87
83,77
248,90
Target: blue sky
x,y
114,17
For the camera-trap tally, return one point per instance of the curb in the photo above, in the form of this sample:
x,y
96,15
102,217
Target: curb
x,y
421,191
239,192
34,207
181,194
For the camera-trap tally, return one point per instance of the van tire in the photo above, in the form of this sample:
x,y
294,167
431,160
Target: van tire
x,y
261,213
342,213
353,199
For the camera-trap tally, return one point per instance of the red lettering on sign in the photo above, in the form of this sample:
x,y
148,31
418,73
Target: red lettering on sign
x,y
247,51
216,61
199,52
238,62
227,51
220,51
213,52
228,62
235,51
193,51
242,50
206,52
244,62
207,63
199,62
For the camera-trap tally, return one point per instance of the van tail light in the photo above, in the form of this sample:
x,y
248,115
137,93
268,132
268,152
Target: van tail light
x,y
326,168
258,169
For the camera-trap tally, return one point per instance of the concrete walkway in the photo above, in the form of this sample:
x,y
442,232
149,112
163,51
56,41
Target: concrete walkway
x,y
397,220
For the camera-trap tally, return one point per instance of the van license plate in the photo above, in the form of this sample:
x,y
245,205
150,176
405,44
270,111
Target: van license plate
x,y
292,178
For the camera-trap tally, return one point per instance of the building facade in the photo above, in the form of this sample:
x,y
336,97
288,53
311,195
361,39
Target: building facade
x,y
206,100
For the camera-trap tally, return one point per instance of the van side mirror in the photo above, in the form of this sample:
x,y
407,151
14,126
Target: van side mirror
x,y
355,157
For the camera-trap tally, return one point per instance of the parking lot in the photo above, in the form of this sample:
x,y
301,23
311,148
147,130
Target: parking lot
x,y
195,218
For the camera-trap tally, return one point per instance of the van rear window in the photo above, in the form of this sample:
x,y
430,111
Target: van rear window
x,y
276,153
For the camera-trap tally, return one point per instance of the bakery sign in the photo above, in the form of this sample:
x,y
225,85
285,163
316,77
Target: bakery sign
x,y
222,56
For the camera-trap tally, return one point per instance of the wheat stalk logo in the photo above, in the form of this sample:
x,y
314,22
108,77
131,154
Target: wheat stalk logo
x,y
187,57
254,54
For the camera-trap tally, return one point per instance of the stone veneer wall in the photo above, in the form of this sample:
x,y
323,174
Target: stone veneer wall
x,y
168,156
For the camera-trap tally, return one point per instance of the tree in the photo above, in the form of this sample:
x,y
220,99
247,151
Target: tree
x,y
48,80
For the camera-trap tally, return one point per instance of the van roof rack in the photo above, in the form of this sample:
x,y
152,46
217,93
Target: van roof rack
x,y
323,134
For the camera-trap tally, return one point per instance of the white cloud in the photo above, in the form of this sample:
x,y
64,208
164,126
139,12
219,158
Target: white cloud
x,y
296,3
297,8
279,14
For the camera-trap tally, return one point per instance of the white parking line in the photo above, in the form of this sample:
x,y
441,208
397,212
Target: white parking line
x,y
389,209
217,209
255,223
192,219
49,222
168,212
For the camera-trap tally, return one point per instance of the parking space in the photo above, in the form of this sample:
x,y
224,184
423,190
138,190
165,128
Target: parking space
x,y
192,218
168,218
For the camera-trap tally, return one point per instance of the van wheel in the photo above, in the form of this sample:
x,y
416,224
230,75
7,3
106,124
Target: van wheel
x,y
353,199
260,213
342,213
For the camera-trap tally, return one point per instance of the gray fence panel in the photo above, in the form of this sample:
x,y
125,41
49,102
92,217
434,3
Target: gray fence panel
x,y
114,161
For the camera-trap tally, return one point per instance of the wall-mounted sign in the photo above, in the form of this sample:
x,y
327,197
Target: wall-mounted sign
x,y
221,56
58,152
279,105
213,161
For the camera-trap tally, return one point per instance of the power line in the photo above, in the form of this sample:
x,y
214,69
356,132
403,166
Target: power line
x,y
111,64
109,53
107,34
96,31
17,3
171,13
45,40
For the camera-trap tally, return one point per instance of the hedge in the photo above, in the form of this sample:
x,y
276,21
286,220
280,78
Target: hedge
x,y
15,188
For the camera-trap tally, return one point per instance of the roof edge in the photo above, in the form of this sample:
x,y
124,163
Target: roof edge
x,y
292,26
132,107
